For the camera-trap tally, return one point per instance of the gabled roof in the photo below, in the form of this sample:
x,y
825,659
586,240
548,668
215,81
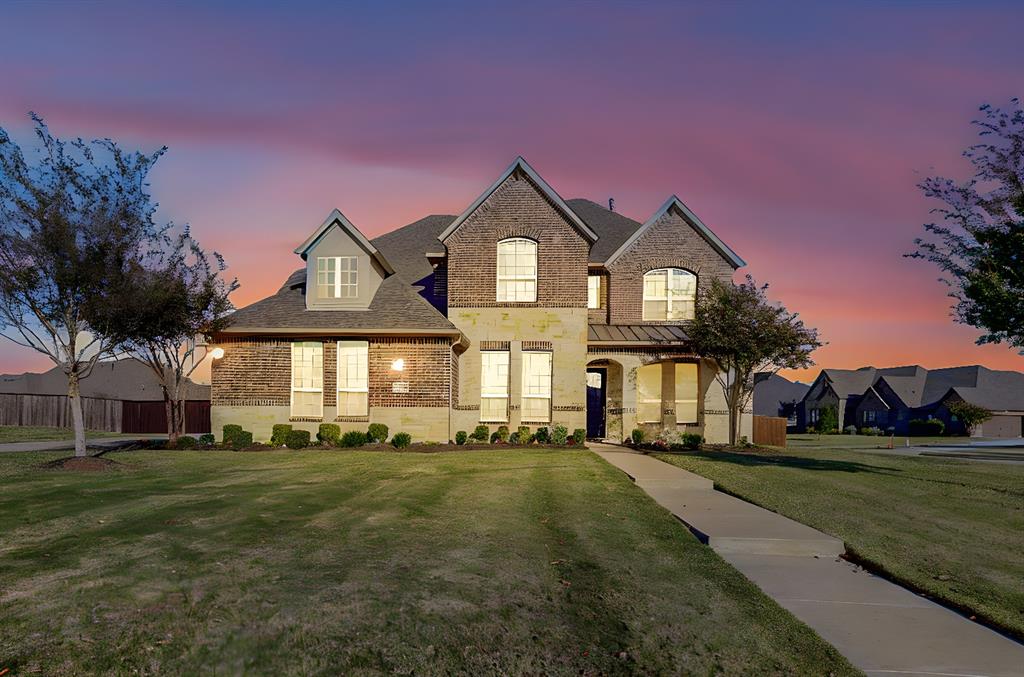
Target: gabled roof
x,y
127,379
339,219
772,390
396,309
521,165
909,388
408,246
675,203
612,228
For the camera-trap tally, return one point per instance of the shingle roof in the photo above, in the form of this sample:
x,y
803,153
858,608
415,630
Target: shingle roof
x,y
635,333
395,307
772,390
407,247
611,227
128,379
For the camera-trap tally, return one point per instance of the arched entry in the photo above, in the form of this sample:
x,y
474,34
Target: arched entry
x,y
604,399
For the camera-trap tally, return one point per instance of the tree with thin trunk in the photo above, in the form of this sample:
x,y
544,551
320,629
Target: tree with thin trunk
x,y
745,334
162,310
979,242
73,218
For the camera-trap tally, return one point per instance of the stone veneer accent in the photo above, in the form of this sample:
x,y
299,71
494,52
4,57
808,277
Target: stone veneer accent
x,y
669,243
517,208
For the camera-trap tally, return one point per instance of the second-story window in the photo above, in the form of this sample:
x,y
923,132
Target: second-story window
x,y
669,294
337,277
517,270
593,291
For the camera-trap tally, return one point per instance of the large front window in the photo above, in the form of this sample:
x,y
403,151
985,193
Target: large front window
x,y
686,392
337,277
353,378
307,379
494,386
669,294
648,394
517,270
536,387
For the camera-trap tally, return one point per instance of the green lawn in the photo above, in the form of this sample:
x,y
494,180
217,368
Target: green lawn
x,y
864,441
510,562
952,528
38,433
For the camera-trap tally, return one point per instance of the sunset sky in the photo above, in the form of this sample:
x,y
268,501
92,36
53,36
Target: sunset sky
x,y
796,131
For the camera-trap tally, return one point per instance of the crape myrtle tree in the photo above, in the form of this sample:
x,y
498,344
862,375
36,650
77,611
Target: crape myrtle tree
x,y
971,415
978,243
737,327
74,217
164,303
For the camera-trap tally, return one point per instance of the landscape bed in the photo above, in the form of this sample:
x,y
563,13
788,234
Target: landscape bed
x,y
520,561
951,529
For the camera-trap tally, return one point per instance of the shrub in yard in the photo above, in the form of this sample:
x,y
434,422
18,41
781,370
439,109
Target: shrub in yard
x,y
559,434
481,433
328,433
502,433
542,436
514,438
829,421
207,440
637,436
461,437
579,436
242,440
688,442
230,430
186,442
872,431
354,438
297,439
931,427
401,440
524,433
279,434
377,432
850,430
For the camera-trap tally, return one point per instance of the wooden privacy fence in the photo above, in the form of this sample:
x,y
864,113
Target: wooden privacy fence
x,y
100,414
770,431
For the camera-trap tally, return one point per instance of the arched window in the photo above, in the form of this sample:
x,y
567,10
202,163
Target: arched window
x,y
517,270
669,294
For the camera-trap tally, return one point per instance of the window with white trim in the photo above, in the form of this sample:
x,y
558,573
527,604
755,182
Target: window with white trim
x,y
307,379
536,387
337,277
494,386
686,392
353,378
517,270
669,294
648,393
593,291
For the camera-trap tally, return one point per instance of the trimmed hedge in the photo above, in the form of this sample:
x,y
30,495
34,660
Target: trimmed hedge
x,y
230,430
297,439
559,435
401,440
241,440
637,436
542,436
328,434
461,437
579,436
186,442
353,438
207,440
481,433
279,434
377,432
931,427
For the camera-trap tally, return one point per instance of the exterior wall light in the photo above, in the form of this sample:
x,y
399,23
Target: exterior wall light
x,y
398,365
217,353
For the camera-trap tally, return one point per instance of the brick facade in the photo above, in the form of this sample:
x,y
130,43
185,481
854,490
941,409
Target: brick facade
x,y
669,243
257,372
517,208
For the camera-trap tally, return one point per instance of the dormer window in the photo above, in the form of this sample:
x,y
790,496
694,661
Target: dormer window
x,y
517,270
669,294
337,277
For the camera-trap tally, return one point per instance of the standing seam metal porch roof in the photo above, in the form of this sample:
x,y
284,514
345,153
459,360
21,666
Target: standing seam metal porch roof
x,y
636,333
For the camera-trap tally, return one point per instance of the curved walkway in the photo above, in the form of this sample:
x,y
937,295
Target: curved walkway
x,y
882,628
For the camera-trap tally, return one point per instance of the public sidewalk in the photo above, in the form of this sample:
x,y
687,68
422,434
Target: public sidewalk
x,y
93,445
882,628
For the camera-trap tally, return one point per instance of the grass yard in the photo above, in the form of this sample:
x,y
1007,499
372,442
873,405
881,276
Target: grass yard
x,y
952,528
510,562
38,433
864,441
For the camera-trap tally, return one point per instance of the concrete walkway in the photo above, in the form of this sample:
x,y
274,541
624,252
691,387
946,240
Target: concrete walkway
x,y
880,627
94,445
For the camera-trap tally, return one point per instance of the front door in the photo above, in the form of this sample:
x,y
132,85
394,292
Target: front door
x,y
597,387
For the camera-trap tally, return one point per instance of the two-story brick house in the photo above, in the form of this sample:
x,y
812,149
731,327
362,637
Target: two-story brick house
x,y
524,310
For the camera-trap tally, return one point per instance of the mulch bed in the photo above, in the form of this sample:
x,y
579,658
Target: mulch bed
x,y
82,464
415,448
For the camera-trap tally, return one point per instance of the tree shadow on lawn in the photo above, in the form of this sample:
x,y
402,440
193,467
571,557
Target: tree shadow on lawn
x,y
754,460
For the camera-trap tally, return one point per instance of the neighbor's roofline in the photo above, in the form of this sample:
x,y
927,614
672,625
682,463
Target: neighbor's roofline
x,y
521,164
337,217
705,232
327,331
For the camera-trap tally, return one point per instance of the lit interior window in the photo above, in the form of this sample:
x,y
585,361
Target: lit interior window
x,y
337,277
536,387
494,386
517,270
669,294
307,379
686,392
648,393
353,378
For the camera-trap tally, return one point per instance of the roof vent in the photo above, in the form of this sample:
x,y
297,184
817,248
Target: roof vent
x,y
611,204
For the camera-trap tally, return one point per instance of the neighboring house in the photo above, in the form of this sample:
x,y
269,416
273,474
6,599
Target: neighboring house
x,y
118,396
778,396
842,390
526,309
894,401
